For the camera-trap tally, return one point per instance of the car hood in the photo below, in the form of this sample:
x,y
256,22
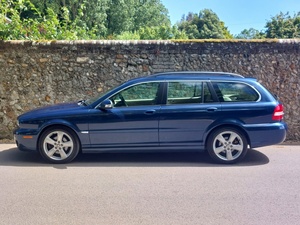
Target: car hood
x,y
51,110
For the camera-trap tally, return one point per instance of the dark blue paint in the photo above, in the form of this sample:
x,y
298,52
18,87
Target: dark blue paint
x,y
161,126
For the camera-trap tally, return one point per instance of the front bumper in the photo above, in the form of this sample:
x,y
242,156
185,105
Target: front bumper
x,y
26,140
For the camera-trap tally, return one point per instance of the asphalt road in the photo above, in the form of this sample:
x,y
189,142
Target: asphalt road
x,y
166,188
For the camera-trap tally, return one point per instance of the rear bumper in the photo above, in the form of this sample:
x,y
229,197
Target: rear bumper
x,y
266,134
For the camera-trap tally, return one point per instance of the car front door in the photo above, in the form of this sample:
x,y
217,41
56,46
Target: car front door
x,y
132,122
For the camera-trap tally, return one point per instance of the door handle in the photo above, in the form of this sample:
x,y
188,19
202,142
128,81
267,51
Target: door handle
x,y
150,112
211,109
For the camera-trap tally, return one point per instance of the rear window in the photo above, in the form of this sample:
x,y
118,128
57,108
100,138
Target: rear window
x,y
235,92
188,92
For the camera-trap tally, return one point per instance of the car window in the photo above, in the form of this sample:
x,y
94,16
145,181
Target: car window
x,y
235,92
183,92
138,95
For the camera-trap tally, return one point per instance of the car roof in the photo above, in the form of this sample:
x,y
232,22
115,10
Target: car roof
x,y
191,75
197,74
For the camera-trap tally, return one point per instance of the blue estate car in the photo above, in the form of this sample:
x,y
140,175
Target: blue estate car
x,y
222,113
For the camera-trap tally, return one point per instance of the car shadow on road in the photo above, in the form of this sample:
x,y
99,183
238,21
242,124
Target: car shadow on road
x,y
14,157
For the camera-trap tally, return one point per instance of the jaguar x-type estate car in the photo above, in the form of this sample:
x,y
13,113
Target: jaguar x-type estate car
x,y
222,113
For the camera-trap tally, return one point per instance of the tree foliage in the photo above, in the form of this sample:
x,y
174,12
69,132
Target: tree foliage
x,y
132,15
77,19
283,26
110,17
89,14
153,33
250,34
204,25
280,26
38,26
122,19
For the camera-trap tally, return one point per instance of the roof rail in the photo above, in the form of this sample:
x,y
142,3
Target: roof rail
x,y
203,73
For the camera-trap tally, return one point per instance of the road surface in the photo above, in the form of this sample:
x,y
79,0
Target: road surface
x,y
144,188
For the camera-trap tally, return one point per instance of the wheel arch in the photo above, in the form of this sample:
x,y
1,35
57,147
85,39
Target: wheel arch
x,y
229,125
60,126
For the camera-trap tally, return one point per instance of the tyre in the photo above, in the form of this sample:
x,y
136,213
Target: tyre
x,y
59,145
227,145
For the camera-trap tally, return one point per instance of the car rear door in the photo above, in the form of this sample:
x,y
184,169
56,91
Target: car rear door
x,y
189,110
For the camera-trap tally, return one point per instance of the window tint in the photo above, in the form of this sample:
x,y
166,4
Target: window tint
x,y
138,95
188,93
235,92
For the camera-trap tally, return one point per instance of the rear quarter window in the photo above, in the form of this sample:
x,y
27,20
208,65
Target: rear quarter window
x,y
235,92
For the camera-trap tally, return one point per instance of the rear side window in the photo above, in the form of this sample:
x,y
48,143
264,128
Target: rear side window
x,y
235,92
188,92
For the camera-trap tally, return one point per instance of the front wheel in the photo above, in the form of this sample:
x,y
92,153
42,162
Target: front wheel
x,y
227,145
59,145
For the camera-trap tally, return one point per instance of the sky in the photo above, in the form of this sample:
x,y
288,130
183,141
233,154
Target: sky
x,y
236,14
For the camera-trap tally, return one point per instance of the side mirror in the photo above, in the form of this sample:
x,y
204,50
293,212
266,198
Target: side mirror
x,y
106,104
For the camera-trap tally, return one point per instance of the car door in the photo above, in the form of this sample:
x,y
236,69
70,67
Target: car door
x,y
132,122
190,109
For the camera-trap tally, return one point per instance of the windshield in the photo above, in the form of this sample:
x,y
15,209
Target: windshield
x,y
95,98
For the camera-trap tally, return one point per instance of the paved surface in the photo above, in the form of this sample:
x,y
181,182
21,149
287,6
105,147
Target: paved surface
x,y
171,188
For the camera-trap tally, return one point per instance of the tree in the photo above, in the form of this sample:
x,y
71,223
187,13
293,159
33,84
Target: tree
x,y
161,33
283,26
226,33
109,18
94,16
188,24
88,14
250,34
131,15
153,33
150,13
128,36
46,27
120,16
206,24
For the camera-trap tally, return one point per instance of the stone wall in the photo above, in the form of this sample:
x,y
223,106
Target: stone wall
x,y
34,74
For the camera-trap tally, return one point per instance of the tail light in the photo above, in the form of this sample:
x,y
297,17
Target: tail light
x,y
278,113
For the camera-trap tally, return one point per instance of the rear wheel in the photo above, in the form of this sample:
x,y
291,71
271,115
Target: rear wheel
x,y
227,145
59,145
